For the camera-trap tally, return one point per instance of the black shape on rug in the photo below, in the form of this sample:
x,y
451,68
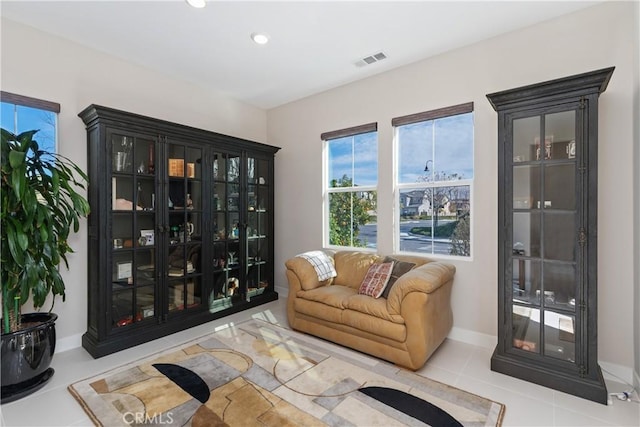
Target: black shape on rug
x,y
412,406
186,379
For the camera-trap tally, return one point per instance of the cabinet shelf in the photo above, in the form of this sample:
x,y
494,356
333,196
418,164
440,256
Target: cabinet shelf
x,y
234,267
125,285
563,307
175,275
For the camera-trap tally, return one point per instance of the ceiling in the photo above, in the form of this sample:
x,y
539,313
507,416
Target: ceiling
x,y
314,45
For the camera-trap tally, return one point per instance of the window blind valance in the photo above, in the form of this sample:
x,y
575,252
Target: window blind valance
x,y
27,101
356,130
433,114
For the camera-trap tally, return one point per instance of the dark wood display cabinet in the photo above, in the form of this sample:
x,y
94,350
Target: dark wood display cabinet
x,y
181,227
547,226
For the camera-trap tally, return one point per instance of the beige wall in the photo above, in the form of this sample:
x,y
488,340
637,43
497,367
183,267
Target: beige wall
x,y
43,66
636,205
569,45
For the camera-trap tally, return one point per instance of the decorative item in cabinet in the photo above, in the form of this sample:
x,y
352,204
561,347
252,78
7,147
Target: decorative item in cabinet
x,y
124,271
571,149
176,168
548,141
122,153
147,238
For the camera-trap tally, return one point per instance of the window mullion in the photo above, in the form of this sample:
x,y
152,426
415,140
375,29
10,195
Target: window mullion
x,y
15,119
433,150
353,161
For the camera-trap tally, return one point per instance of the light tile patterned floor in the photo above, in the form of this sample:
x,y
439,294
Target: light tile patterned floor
x,y
456,363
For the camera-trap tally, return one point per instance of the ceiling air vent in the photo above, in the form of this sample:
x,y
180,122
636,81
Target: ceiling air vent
x,y
371,59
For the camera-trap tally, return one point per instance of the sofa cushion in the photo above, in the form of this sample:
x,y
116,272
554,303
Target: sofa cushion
x,y
399,268
334,296
318,310
352,266
376,279
375,325
374,307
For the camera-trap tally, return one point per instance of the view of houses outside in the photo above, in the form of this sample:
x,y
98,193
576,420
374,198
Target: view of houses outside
x,y
435,220
435,173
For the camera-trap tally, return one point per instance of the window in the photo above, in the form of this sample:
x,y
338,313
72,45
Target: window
x,y
21,113
434,181
351,187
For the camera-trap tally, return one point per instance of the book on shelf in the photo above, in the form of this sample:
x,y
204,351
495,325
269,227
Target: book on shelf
x,y
177,271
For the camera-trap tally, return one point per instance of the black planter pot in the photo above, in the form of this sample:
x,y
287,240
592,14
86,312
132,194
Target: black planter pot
x,y
26,356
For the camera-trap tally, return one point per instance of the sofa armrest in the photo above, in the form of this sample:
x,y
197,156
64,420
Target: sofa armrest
x,y
302,275
427,278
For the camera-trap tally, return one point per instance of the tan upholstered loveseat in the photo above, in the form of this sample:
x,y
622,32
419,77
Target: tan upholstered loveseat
x,y
405,328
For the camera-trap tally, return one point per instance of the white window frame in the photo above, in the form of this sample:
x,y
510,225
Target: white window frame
x,y
327,190
398,187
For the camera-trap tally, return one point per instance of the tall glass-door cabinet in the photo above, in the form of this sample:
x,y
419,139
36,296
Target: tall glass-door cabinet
x,y
181,227
547,196
241,229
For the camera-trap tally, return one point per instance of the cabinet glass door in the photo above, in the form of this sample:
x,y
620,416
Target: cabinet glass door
x,y
545,235
133,213
225,207
184,212
257,236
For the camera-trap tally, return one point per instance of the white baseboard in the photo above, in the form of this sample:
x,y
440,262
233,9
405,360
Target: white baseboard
x,y
617,373
473,337
283,291
68,343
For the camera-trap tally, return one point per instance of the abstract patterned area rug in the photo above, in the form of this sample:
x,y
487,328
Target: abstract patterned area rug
x,y
257,373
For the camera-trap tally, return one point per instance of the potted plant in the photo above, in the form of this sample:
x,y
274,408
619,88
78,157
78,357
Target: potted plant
x,y
40,208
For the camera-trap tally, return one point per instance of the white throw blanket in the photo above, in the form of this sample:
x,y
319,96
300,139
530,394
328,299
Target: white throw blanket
x,y
321,263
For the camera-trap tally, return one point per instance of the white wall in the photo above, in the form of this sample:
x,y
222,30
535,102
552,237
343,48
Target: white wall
x,y
47,67
636,205
591,39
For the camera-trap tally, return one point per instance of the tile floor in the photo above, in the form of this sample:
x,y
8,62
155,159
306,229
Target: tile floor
x,y
456,363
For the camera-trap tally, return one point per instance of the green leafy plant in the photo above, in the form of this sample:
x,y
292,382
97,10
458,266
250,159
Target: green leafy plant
x,y
347,213
40,208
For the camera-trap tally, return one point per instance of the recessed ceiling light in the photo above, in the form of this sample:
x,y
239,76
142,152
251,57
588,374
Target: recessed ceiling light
x,y
197,3
260,38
